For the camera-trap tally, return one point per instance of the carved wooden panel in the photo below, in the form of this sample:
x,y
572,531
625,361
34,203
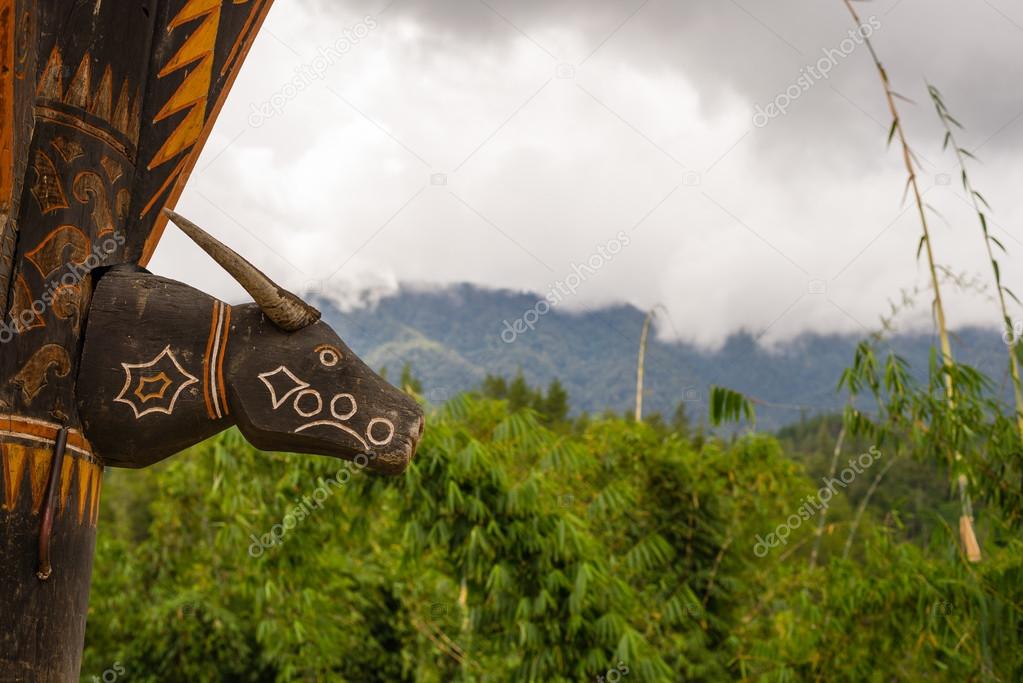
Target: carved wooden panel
x,y
104,109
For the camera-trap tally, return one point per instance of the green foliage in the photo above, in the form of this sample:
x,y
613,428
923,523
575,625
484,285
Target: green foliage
x,y
552,408
514,552
408,382
727,405
915,490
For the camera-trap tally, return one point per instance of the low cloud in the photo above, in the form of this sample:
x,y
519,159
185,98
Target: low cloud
x,y
499,143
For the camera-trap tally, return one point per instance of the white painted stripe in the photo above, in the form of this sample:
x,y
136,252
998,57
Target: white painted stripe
x,y
33,421
214,390
45,441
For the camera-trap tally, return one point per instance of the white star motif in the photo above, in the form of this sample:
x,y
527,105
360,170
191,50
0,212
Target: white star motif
x,y
184,380
279,401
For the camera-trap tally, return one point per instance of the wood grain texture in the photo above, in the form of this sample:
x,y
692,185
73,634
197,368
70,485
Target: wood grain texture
x,y
307,392
145,378
101,123
104,108
50,616
166,366
18,47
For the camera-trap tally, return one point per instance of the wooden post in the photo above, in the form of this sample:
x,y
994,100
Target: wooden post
x,y
104,109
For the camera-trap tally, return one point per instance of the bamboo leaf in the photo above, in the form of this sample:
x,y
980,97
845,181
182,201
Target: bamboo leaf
x,y
998,242
727,405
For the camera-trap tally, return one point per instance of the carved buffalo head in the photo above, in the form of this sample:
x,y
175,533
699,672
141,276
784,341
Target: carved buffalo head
x,y
166,366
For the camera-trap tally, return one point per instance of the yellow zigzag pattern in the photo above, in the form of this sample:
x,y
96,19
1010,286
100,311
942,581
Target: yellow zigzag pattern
x,y
16,459
193,93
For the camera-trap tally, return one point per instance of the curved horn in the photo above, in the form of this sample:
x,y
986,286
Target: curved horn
x,y
283,308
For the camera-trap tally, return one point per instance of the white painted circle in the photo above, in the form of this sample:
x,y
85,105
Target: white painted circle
x,y
345,416
390,431
319,403
330,357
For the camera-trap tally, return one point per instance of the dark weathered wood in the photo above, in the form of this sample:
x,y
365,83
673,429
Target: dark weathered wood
x,y
18,49
44,621
152,357
166,366
307,392
104,109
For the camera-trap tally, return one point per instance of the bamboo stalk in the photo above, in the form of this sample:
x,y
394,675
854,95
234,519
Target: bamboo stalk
x,y
966,520
975,199
863,507
819,531
640,364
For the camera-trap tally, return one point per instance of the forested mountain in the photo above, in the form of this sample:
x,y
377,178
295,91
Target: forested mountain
x,y
452,338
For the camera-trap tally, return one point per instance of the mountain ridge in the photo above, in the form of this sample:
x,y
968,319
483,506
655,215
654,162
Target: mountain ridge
x,y
454,336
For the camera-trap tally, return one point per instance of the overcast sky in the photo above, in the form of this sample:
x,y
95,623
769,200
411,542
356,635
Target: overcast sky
x,y
503,142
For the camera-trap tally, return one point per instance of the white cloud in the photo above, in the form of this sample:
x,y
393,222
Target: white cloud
x,y
654,129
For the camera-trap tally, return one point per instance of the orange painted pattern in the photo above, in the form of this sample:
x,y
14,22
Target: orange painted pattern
x,y
221,387
207,388
26,458
195,89
175,183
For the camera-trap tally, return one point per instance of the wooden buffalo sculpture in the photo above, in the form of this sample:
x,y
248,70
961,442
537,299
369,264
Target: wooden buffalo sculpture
x,y
105,106
165,366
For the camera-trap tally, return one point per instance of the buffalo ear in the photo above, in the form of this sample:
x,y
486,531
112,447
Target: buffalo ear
x,y
284,309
